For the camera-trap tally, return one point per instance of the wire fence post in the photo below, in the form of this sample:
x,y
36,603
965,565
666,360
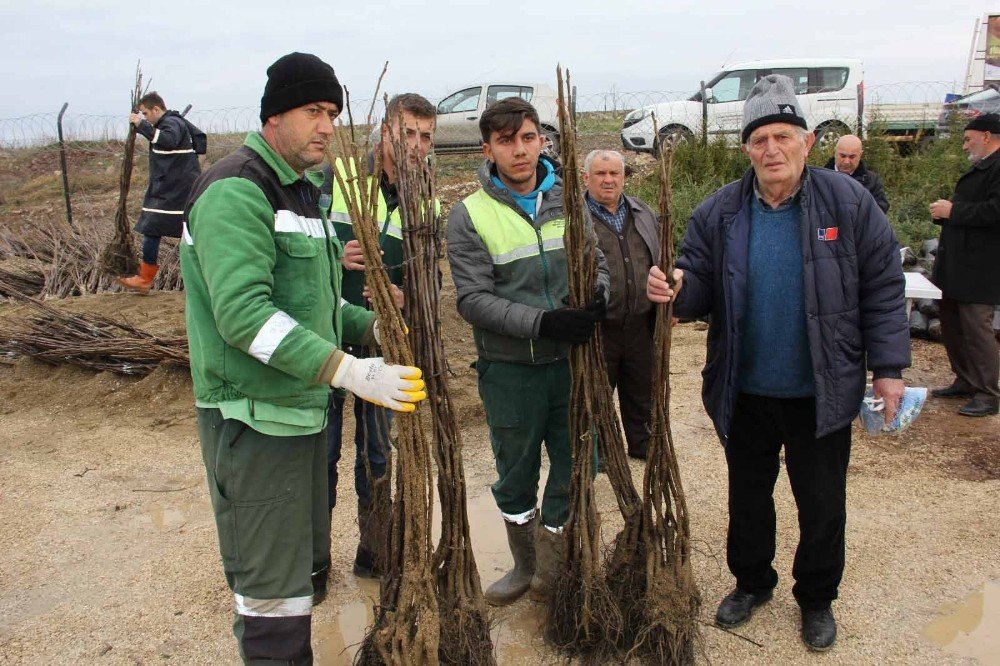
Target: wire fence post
x,y
704,116
62,164
861,109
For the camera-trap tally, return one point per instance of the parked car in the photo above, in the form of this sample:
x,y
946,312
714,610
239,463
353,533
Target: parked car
x,y
960,111
459,112
829,91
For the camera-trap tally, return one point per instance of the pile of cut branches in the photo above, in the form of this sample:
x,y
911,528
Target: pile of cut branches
x,y
407,622
465,627
88,340
68,261
21,277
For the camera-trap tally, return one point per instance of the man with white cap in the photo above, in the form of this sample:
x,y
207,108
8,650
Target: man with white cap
x,y
800,271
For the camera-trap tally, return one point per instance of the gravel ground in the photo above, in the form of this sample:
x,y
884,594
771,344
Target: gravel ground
x,y
110,553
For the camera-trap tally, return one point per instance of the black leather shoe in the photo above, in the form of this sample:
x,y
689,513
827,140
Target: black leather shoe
x,y
819,629
738,606
980,406
953,391
364,564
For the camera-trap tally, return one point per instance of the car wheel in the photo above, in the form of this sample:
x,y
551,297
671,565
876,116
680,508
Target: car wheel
x,y
551,147
830,132
671,135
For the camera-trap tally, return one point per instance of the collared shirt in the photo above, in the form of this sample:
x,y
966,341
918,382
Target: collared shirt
x,y
788,201
616,219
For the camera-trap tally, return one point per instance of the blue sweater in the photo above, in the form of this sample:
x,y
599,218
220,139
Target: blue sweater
x,y
774,356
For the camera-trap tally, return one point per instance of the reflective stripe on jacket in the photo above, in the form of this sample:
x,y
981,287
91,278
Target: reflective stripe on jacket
x,y
509,269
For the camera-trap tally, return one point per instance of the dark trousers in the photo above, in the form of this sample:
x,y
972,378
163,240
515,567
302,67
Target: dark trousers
x,y
967,332
269,498
150,249
628,353
817,470
371,440
526,406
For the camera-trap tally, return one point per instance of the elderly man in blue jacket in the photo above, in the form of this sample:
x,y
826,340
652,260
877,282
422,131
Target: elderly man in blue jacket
x,y
801,274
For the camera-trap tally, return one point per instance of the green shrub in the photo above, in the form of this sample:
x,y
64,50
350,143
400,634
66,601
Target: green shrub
x,y
912,180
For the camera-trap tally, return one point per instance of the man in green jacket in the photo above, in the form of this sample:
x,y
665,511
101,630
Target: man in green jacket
x,y
416,116
265,324
505,247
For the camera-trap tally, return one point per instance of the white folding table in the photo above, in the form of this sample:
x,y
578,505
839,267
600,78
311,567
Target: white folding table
x,y
917,286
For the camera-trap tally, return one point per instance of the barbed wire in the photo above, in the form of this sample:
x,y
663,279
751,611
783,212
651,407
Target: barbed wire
x,y
100,134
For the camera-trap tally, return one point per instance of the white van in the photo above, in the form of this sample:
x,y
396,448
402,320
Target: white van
x,y
828,89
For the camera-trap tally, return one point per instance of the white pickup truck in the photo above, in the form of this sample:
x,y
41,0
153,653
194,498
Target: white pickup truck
x,y
830,91
459,112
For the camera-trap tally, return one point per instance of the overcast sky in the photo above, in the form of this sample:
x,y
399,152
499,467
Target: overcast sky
x,y
214,55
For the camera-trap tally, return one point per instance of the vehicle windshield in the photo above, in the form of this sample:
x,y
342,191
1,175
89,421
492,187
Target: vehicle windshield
x,y
715,79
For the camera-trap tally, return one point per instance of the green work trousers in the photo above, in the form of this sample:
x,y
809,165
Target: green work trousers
x,y
269,495
527,405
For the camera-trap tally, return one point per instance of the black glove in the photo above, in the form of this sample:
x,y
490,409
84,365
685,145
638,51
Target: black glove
x,y
572,325
598,305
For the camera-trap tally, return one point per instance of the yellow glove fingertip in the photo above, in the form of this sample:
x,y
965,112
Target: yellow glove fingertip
x,y
415,396
411,372
406,407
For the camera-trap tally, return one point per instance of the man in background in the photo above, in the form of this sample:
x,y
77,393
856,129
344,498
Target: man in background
x,y
628,233
173,168
847,160
967,270
371,422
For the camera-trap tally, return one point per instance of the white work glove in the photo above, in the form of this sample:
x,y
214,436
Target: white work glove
x,y
397,387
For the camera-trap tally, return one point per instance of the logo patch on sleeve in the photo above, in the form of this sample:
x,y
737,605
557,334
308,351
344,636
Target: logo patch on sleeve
x,y
828,234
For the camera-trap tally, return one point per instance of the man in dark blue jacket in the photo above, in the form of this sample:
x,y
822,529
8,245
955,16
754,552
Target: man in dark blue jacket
x,y
801,274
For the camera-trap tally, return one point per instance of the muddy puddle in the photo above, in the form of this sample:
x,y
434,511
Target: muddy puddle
x,y
517,628
970,627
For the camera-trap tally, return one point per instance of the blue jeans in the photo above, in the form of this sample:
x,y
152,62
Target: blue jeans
x,y
150,249
371,434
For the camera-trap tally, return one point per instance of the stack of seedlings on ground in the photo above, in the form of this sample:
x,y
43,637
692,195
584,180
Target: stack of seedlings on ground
x,y
407,624
582,618
87,340
465,627
666,594
70,260
119,257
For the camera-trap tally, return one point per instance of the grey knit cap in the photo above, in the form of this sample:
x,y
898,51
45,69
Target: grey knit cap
x,y
771,100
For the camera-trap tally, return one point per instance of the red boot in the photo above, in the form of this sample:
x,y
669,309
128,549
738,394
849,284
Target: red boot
x,y
143,280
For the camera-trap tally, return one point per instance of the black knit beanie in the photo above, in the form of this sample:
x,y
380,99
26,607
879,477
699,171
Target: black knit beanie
x,y
295,80
988,122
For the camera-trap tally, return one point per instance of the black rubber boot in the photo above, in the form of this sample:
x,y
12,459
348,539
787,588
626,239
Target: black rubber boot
x,y
319,581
